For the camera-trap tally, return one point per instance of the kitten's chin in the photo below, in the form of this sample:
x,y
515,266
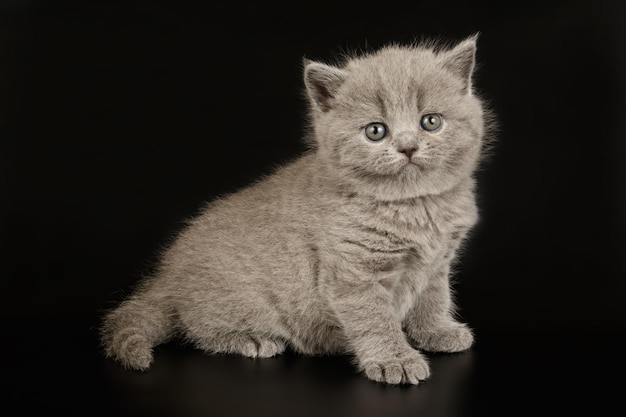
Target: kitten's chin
x,y
394,182
414,170
410,180
411,166
400,183
424,164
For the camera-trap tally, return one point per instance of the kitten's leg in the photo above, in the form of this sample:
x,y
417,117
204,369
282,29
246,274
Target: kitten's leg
x,y
375,336
247,344
430,323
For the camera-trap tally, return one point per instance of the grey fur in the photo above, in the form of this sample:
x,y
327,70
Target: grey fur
x,y
346,250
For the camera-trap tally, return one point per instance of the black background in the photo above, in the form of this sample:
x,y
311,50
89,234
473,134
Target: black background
x,y
120,119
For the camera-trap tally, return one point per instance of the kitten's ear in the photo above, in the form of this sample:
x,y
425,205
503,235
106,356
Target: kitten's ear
x,y
322,83
460,61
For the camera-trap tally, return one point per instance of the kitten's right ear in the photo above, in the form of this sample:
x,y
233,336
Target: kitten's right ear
x,y
322,83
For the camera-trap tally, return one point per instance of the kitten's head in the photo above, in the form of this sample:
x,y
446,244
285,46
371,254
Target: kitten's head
x,y
398,123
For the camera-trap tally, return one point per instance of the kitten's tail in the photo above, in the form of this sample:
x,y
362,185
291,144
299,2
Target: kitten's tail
x,y
130,331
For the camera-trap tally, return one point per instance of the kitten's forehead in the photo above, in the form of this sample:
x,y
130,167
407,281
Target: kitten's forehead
x,y
392,60
395,72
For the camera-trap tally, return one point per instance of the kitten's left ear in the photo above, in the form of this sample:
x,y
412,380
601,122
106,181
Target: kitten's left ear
x,y
460,61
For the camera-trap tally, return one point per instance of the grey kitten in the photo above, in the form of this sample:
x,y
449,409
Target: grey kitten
x,y
346,250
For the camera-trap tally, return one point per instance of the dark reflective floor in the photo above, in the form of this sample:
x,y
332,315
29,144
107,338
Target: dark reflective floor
x,y
57,368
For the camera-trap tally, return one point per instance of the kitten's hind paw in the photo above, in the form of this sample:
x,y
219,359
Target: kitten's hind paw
x,y
409,369
450,338
262,348
250,345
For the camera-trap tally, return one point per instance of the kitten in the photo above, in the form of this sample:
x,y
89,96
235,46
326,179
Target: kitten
x,y
347,249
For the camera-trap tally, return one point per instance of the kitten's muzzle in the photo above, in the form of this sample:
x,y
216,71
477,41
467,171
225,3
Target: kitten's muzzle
x,y
406,143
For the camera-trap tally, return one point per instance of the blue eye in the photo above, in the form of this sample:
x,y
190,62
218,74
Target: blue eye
x,y
375,131
431,122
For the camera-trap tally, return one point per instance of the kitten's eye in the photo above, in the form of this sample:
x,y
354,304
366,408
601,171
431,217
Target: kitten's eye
x,y
375,131
431,122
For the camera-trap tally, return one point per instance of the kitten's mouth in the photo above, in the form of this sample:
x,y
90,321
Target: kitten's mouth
x,y
422,162
417,165
409,167
411,163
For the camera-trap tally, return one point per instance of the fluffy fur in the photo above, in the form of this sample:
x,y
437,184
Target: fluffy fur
x,y
347,249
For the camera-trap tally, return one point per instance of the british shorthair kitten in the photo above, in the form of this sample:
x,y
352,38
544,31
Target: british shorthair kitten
x,y
348,248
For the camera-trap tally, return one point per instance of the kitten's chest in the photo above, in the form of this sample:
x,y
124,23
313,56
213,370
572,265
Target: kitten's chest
x,y
427,233
422,226
388,240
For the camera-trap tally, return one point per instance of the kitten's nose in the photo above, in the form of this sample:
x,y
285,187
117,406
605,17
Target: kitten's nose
x,y
407,142
408,152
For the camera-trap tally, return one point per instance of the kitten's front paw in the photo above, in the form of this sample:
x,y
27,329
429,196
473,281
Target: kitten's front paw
x,y
407,369
455,337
